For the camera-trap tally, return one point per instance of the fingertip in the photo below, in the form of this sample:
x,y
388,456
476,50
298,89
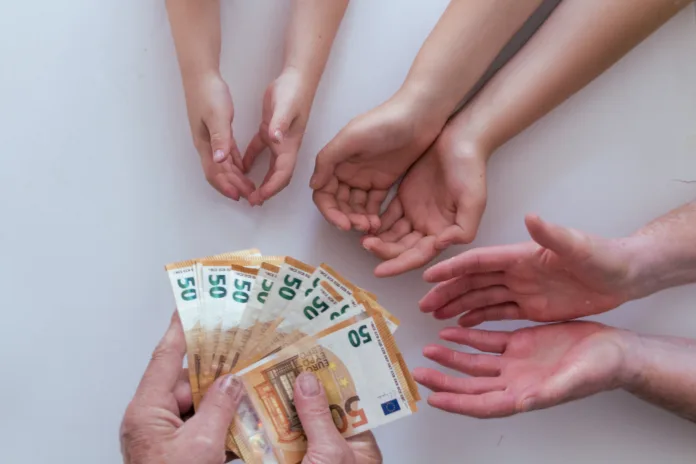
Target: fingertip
x,y
219,156
430,350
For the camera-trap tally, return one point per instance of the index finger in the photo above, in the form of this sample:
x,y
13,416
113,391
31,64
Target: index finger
x,y
479,260
164,369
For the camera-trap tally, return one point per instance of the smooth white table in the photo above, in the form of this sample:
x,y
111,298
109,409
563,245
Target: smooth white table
x,y
101,187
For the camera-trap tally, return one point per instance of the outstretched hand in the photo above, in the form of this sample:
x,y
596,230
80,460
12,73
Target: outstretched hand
x,y
532,368
286,107
563,274
439,203
210,112
355,170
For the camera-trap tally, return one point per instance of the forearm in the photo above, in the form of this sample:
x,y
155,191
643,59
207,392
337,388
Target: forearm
x,y
195,27
463,44
664,252
579,41
310,35
662,371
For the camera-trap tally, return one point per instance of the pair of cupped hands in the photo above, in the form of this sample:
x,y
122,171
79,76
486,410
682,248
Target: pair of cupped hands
x,y
439,201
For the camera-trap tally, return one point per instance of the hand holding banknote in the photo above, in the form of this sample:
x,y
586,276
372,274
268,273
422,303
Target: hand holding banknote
x,y
153,430
325,443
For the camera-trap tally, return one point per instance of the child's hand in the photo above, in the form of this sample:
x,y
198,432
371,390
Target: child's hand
x,y
210,113
286,107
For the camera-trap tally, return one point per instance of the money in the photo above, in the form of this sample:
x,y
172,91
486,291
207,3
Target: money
x,y
363,374
266,319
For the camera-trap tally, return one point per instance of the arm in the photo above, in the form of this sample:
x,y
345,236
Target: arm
x,y
665,251
463,44
662,371
288,99
310,35
580,40
196,29
546,365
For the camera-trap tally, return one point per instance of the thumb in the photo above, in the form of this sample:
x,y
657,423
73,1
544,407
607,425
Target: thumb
x,y
338,149
561,240
221,141
283,117
216,411
313,409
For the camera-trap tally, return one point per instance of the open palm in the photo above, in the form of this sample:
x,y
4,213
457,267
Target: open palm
x,y
439,202
355,171
564,274
531,368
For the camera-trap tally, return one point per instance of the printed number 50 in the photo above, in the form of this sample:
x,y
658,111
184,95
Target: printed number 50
x,y
360,336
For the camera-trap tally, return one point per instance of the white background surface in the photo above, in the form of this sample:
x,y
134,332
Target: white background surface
x,y
100,187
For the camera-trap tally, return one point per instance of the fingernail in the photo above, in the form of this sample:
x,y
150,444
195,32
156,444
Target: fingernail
x,y
232,386
313,182
218,156
309,384
278,135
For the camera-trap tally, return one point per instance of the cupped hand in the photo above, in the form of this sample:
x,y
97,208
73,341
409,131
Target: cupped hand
x,y
324,442
210,112
153,430
286,107
563,274
439,203
355,170
532,368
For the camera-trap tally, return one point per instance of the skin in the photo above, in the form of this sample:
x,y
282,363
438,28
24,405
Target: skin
x,y
355,170
543,366
287,102
579,41
440,201
288,99
564,273
158,425
195,27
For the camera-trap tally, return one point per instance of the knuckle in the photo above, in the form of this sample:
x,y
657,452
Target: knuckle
x,y
163,351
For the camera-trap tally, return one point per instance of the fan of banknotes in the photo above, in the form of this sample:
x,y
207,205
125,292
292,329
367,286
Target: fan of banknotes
x,y
269,318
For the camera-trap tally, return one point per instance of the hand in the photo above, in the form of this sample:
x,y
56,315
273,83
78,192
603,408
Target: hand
x,y
355,170
210,113
532,368
566,274
439,202
153,430
286,107
324,443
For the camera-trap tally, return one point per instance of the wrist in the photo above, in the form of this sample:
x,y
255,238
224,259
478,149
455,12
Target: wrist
x,y
194,75
430,108
631,368
646,270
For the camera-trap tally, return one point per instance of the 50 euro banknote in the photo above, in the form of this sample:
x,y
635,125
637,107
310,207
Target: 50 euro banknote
x,y
363,373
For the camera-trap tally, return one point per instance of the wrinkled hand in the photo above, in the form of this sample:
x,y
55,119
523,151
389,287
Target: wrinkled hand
x,y
355,170
532,368
210,113
286,107
564,274
439,203
324,443
153,430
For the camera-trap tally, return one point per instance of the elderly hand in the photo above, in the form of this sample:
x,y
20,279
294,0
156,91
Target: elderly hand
x,y
153,430
325,445
563,274
527,369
